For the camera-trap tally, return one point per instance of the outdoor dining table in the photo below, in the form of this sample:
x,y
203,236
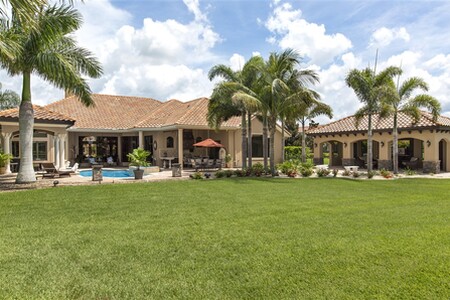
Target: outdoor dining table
x,y
167,159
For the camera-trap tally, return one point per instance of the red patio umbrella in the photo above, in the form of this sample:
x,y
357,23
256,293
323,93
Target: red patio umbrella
x,y
208,143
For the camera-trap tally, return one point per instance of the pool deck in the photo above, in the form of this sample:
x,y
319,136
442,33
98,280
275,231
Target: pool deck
x,y
7,182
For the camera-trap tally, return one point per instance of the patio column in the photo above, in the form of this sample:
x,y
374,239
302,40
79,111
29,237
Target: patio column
x,y
180,147
141,139
62,150
119,149
56,144
6,148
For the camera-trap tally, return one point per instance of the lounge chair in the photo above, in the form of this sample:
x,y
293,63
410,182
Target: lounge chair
x,y
51,171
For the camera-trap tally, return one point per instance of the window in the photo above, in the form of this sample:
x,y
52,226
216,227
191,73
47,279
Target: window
x,y
39,150
257,146
169,142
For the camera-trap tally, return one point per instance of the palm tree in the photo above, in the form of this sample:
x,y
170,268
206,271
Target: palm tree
x,y
400,99
307,110
47,50
368,87
279,88
8,99
221,106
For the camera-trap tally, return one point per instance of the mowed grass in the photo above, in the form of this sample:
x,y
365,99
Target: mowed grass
x,y
228,239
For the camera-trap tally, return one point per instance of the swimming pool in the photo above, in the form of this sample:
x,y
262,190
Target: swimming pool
x,y
109,173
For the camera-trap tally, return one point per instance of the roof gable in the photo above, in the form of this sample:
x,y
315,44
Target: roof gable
x,y
41,115
109,112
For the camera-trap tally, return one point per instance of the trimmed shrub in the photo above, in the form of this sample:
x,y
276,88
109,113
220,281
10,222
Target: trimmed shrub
x,y
257,169
196,175
228,173
335,172
323,172
220,174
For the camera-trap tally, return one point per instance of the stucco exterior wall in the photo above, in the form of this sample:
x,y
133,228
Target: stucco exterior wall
x,y
430,139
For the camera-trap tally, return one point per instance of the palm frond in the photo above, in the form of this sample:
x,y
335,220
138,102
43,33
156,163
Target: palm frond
x,y
428,102
411,84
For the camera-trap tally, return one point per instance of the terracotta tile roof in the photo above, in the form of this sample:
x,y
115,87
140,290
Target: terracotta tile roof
x,y
380,124
122,112
40,114
196,115
109,112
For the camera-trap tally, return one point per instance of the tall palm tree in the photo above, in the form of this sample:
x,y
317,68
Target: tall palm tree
x,y
222,106
400,99
279,88
8,99
47,50
306,111
368,87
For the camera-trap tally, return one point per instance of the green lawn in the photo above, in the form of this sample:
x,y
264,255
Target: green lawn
x,y
227,239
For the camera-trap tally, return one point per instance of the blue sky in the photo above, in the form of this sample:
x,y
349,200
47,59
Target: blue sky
x,y
164,49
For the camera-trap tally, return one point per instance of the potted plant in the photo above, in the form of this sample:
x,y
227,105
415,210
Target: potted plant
x,y
4,159
228,159
138,158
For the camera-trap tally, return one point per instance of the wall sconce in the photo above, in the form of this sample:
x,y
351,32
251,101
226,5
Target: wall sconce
x,y
382,144
428,143
345,144
315,145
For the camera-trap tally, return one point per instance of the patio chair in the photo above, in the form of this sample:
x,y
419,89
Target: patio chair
x,y
413,163
51,171
218,164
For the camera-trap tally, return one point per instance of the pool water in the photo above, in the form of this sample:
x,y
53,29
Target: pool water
x,y
109,173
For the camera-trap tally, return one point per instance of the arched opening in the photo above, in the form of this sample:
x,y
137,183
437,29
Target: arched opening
x,y
331,153
410,153
443,155
359,153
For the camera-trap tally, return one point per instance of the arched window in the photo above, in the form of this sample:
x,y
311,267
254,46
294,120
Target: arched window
x,y
169,142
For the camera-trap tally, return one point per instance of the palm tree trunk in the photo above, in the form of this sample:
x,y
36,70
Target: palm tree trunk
x,y
395,146
303,143
265,140
369,145
26,123
250,154
282,140
244,140
272,128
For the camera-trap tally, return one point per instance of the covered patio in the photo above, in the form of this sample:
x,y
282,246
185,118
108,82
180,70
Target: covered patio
x,y
422,144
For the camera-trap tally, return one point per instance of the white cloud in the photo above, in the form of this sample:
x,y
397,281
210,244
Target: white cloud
x,y
439,62
237,61
159,81
310,39
194,7
160,59
383,36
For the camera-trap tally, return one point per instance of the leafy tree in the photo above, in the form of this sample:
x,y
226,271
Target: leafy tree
x,y
221,106
46,49
280,87
400,99
368,87
305,112
8,99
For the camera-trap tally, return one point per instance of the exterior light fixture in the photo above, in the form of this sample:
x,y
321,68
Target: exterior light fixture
x,y
382,144
315,145
428,143
345,144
